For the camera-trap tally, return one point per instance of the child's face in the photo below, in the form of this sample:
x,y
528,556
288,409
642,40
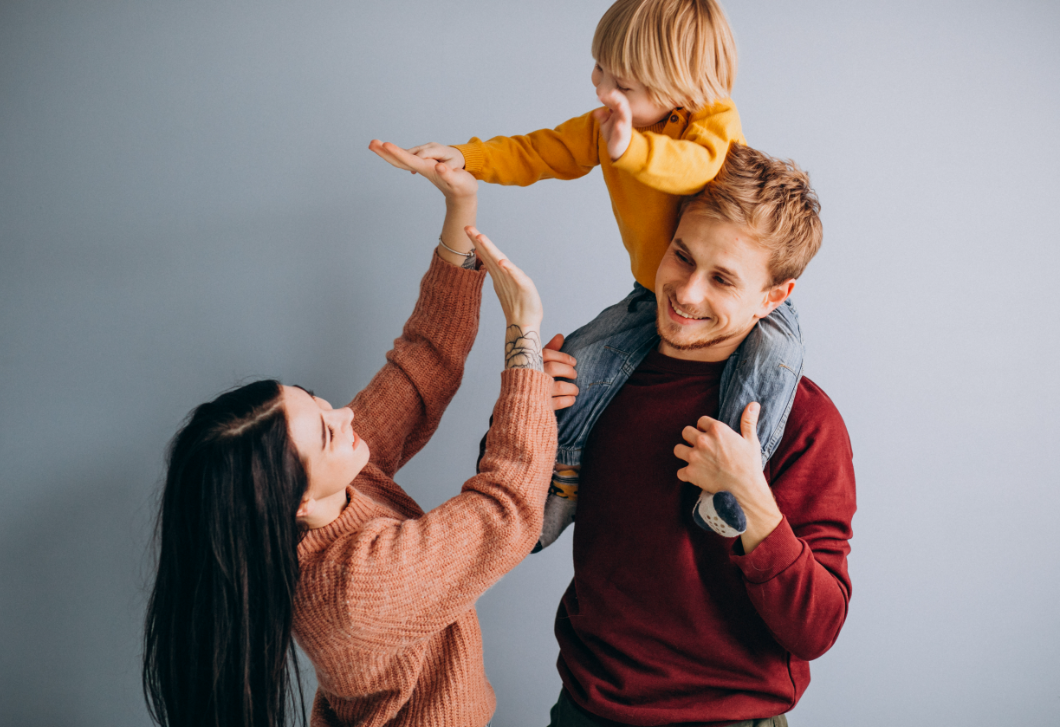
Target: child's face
x,y
645,111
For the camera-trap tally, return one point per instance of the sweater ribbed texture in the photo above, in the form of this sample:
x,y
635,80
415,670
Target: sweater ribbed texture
x,y
385,604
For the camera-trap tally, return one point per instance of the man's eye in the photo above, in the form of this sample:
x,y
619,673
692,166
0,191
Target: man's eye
x,y
721,280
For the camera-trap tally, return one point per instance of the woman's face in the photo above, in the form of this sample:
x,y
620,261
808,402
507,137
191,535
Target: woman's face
x,y
331,451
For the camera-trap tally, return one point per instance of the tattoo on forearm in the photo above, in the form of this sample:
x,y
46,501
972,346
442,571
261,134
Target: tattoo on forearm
x,y
469,262
522,350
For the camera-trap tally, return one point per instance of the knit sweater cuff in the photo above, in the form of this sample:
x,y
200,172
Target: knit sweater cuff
x,y
474,156
772,557
523,418
519,389
450,297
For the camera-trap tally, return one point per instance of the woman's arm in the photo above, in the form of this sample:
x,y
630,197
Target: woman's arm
x,y
399,410
408,579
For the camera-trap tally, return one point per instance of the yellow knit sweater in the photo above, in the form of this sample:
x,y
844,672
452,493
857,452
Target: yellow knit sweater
x,y
385,602
664,162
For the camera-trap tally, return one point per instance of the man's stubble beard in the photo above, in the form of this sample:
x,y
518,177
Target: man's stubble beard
x,y
692,346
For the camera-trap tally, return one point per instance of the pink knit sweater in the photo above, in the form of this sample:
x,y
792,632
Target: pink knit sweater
x,y
385,603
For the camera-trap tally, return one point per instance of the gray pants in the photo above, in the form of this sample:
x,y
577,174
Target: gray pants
x,y
565,713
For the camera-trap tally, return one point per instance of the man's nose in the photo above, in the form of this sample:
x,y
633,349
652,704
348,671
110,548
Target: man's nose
x,y
692,291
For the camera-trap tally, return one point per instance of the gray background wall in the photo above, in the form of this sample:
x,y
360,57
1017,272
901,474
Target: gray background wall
x,y
187,202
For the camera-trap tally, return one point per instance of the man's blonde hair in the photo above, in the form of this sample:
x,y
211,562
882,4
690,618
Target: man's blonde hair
x,y
770,197
681,50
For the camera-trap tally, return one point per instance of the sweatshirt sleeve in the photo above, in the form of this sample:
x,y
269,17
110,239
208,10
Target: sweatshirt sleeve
x,y
399,410
567,152
797,577
404,580
683,166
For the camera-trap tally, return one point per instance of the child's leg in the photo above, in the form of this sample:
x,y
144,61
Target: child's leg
x,y
607,350
765,368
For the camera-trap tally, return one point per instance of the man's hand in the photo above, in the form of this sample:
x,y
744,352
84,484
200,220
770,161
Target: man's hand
x,y
450,156
560,365
721,459
454,183
616,122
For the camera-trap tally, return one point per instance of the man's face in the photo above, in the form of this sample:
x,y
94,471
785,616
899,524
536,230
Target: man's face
x,y
712,286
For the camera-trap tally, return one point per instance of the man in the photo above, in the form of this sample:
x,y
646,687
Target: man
x,y
666,622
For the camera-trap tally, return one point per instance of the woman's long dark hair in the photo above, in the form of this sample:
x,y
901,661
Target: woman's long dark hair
x,y
218,650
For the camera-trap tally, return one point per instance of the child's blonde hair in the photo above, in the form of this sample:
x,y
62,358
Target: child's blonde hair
x,y
681,50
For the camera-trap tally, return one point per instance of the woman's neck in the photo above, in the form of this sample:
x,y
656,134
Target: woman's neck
x,y
326,510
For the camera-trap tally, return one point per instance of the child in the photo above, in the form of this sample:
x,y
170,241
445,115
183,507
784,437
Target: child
x,y
664,72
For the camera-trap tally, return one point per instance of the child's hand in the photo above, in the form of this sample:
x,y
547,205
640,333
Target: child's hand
x,y
450,156
616,122
560,365
455,184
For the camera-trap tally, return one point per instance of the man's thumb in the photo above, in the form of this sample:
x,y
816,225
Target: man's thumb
x,y
749,422
556,343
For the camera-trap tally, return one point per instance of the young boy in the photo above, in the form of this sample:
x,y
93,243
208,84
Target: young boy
x,y
664,72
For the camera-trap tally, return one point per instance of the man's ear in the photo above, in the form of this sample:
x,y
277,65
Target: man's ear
x,y
774,296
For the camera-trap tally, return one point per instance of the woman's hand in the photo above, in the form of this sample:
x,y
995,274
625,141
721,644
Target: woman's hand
x,y
454,183
519,301
461,199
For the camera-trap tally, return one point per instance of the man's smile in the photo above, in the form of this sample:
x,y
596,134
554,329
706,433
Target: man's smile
x,y
682,316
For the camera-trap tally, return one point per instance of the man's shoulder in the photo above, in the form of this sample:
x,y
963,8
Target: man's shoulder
x,y
814,418
812,398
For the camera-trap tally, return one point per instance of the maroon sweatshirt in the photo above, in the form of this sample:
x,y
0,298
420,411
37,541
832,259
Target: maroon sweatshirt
x,y
666,623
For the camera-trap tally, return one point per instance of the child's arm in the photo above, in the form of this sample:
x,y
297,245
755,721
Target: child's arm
x,y
675,166
567,152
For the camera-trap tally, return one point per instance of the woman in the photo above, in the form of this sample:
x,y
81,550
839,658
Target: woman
x,y
280,518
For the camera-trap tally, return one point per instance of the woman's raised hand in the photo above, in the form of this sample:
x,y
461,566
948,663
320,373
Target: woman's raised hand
x,y
520,302
453,183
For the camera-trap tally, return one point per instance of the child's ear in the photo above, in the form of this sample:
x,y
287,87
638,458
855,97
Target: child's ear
x,y
774,296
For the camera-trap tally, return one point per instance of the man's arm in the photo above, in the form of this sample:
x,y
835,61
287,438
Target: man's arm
x,y
794,567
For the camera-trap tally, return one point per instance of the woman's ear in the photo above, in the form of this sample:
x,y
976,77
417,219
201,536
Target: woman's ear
x,y
305,508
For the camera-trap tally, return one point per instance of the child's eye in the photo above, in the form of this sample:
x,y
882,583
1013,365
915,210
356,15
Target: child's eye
x,y
620,88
